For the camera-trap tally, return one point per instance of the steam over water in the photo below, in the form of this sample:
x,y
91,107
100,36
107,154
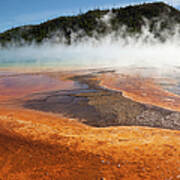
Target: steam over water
x,y
110,51
114,51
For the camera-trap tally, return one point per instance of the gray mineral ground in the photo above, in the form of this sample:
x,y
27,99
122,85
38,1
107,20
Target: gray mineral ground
x,y
98,107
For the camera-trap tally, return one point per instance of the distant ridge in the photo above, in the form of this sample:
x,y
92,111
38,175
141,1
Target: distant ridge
x,y
95,23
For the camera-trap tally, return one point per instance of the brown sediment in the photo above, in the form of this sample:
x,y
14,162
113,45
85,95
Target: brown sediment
x,y
40,145
37,145
141,89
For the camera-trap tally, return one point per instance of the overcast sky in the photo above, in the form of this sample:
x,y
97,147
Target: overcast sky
x,y
15,13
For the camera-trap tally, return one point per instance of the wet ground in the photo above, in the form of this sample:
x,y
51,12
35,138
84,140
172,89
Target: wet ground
x,y
82,97
37,145
96,106
14,86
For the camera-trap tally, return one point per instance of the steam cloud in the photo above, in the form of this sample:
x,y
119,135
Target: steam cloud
x,y
113,50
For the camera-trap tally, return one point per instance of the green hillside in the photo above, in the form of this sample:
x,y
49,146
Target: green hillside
x,y
73,28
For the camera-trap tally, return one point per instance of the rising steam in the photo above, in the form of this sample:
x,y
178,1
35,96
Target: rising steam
x,y
116,49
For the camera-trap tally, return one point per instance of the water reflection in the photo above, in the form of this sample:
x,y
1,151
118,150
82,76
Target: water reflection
x,y
16,86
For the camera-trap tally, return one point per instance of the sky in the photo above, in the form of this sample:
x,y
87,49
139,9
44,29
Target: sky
x,y
15,13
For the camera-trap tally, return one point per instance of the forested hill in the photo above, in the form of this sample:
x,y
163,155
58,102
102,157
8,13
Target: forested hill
x,y
95,23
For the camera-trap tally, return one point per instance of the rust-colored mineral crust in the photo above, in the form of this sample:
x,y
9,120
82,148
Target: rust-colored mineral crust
x,y
143,90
